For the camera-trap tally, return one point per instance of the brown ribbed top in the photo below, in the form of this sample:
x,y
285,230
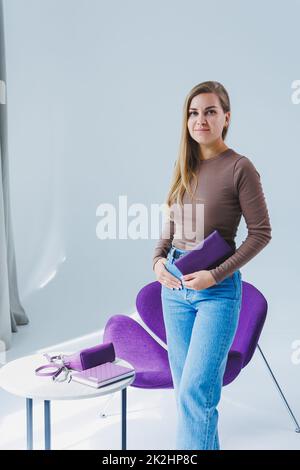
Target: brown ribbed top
x,y
228,186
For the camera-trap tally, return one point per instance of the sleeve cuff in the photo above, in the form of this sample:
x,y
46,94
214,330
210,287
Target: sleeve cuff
x,y
215,276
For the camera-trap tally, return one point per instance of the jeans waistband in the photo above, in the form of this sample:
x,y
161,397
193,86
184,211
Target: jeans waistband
x,y
176,252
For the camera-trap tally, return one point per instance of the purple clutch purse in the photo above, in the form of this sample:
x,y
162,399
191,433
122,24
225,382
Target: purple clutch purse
x,y
81,360
90,357
207,255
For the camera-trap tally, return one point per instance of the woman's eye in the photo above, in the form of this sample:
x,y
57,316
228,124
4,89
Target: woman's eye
x,y
209,111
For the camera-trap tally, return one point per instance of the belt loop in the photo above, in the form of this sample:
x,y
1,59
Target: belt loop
x,y
172,252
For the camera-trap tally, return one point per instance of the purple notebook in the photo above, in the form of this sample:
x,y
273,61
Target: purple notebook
x,y
208,254
103,374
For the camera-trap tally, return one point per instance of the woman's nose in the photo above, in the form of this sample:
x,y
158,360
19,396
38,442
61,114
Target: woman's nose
x,y
201,119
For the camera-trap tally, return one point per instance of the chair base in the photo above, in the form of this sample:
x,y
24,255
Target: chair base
x,y
280,391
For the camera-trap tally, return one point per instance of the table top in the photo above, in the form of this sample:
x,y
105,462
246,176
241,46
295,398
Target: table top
x,y
18,377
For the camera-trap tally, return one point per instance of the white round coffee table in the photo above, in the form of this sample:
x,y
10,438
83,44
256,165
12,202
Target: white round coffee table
x,y
18,377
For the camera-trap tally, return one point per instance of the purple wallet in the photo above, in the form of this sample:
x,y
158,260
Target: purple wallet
x,y
91,357
212,251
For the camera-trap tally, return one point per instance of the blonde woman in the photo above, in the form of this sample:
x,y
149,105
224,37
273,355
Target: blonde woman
x,y
201,310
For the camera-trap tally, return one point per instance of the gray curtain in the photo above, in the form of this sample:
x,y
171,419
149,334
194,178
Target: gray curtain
x,y
11,310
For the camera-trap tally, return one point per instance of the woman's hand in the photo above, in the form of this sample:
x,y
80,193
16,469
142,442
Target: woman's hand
x,y
163,275
198,280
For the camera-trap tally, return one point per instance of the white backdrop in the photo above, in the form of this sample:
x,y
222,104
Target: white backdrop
x,y
95,95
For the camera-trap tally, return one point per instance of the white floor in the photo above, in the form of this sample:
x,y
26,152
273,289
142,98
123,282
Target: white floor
x,y
251,413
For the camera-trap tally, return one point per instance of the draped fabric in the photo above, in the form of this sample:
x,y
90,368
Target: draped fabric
x,y
11,311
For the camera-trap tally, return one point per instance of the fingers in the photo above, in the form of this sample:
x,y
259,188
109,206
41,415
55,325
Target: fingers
x,y
167,279
170,281
188,277
188,284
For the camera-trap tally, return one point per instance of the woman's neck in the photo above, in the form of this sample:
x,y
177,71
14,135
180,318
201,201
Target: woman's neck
x,y
207,152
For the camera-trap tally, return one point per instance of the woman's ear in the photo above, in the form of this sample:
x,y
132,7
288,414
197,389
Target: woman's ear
x,y
227,118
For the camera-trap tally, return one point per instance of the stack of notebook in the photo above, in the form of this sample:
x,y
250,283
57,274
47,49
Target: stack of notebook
x,y
103,374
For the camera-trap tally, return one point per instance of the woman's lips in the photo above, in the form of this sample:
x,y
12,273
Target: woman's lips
x,y
201,130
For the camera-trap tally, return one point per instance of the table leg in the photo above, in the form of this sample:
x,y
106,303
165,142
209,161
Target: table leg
x,y
47,420
29,421
124,418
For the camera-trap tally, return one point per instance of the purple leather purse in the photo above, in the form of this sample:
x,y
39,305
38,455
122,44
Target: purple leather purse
x,y
84,359
211,252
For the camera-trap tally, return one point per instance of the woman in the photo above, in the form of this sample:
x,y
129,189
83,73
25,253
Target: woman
x,y
201,310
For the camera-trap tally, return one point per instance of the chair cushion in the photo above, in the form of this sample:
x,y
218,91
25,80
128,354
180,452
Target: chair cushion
x,y
134,344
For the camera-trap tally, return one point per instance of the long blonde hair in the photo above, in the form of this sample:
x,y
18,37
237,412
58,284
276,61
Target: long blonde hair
x,y
187,162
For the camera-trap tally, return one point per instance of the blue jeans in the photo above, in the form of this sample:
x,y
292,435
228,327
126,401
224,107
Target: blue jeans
x,y
200,328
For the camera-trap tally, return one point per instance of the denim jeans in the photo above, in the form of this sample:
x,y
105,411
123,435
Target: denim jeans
x,y
200,328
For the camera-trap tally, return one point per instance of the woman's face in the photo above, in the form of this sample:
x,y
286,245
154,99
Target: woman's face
x,y
206,118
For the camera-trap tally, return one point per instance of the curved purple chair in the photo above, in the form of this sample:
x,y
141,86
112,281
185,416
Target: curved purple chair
x,y
133,343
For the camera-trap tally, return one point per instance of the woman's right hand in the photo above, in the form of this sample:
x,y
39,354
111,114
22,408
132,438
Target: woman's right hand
x,y
163,275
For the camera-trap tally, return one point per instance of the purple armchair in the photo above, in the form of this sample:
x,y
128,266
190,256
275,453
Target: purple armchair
x,y
133,343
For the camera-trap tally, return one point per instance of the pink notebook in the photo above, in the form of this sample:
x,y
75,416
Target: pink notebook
x,y
101,375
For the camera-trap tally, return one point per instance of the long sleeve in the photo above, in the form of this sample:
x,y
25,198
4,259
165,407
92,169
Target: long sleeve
x,y
248,189
165,241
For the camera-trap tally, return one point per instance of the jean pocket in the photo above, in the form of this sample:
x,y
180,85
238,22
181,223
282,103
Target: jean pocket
x,y
237,279
226,288
229,280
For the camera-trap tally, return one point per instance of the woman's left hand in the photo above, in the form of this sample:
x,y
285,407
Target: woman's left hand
x,y
198,280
